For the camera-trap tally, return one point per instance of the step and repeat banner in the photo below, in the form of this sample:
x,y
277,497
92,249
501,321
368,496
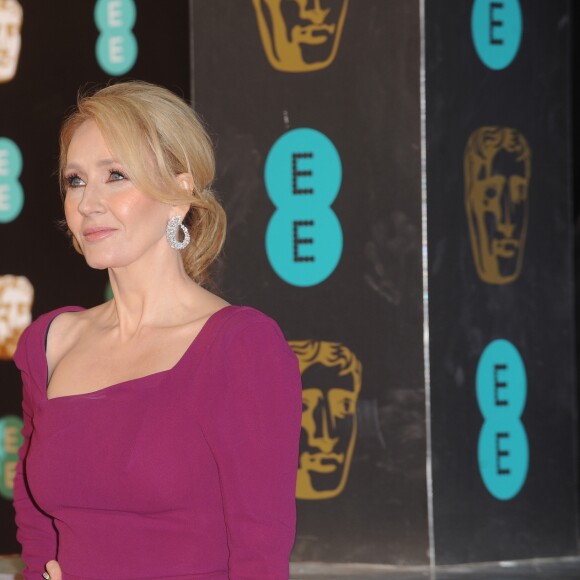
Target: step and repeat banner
x,y
500,279
48,50
315,108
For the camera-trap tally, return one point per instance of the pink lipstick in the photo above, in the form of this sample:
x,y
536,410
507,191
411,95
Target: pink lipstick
x,y
97,234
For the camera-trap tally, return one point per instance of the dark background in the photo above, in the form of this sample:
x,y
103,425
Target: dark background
x,y
367,103
372,303
533,312
58,57
367,110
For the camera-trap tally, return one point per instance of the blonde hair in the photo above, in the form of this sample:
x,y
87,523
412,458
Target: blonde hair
x,y
156,136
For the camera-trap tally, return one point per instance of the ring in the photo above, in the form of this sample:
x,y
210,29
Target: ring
x,y
46,575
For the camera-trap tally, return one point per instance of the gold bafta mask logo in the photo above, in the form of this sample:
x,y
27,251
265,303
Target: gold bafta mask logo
x,y
300,35
16,295
498,164
10,26
331,383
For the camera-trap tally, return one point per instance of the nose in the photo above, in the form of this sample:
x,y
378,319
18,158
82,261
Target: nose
x,y
91,201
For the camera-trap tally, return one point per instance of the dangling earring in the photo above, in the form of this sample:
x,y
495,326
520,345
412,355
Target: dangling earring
x,y
171,234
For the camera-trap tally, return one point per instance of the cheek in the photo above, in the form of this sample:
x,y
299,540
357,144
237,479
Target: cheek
x,y
133,206
71,214
130,206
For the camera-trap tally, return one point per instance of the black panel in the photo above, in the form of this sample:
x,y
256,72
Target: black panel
x,y
532,311
367,103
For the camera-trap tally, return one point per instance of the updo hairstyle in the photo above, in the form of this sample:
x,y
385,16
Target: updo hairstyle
x,y
155,136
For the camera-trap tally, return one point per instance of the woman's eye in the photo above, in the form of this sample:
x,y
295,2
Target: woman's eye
x,y
116,175
74,181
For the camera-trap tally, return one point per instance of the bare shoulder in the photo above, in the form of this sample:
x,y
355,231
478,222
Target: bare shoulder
x,y
67,328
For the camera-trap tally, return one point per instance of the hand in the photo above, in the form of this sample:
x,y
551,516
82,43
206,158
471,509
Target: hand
x,y
54,571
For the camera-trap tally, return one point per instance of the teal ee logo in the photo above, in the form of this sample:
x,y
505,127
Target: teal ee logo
x,y
116,48
496,27
11,194
503,451
303,174
10,442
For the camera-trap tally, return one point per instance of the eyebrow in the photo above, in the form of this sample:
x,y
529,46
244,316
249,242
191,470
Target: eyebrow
x,y
101,163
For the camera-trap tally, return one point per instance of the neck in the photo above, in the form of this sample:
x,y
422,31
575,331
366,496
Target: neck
x,y
151,293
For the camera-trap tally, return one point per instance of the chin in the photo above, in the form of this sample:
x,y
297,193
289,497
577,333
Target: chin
x,y
97,266
103,262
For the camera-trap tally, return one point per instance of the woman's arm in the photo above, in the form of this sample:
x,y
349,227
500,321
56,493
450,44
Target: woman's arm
x,y
35,533
254,434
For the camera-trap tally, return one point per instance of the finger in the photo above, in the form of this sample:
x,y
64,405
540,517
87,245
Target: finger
x,y
53,570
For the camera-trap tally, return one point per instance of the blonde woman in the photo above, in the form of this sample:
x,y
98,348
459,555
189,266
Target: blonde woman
x,y
160,428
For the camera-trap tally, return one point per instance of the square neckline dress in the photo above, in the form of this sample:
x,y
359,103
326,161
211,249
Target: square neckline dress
x,y
185,473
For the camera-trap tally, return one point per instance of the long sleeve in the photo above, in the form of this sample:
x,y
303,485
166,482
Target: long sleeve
x,y
253,429
35,533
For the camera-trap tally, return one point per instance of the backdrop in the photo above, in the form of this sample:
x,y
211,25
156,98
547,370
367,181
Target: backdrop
x,y
378,160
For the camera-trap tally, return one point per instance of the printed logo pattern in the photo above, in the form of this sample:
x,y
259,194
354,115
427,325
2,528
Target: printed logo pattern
x,y
498,166
300,35
11,193
332,380
11,16
496,27
116,49
303,174
16,297
501,387
10,442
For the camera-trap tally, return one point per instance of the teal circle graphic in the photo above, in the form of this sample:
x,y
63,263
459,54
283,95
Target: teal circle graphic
x,y
10,436
496,28
117,52
11,193
11,201
111,15
303,166
503,456
304,251
10,160
501,381
10,442
501,389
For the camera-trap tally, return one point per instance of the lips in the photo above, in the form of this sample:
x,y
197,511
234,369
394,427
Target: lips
x,y
97,233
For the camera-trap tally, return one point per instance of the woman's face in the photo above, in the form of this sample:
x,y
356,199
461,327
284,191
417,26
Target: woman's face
x,y
114,223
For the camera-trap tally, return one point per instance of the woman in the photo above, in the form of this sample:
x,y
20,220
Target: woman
x,y
160,428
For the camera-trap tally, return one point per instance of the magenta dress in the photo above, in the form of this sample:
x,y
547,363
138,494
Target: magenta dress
x,y
185,473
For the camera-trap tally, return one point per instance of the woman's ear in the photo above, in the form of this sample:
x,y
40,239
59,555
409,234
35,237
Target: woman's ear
x,y
186,182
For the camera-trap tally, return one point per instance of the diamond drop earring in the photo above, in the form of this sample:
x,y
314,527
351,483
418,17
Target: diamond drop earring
x,y
171,234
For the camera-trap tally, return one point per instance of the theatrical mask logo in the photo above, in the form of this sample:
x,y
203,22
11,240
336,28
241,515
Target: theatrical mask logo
x,y
16,295
497,177
10,40
300,35
331,383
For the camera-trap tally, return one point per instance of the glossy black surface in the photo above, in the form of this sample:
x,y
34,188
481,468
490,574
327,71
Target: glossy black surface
x,y
560,569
